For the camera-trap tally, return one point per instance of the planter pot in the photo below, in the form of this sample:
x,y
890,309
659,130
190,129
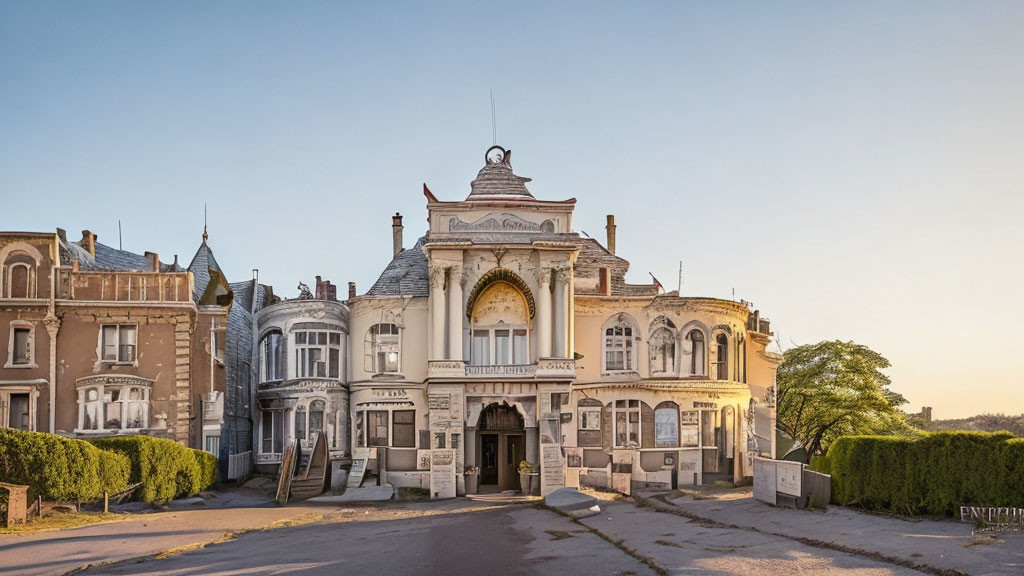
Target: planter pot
x,y
471,483
535,484
524,482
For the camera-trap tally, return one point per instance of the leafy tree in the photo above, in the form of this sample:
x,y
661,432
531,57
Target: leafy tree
x,y
835,388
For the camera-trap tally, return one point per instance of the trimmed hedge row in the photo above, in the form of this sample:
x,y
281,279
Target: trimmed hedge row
x,y
166,469
934,474
58,468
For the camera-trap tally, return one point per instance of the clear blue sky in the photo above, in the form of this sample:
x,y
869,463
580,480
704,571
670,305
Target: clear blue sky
x,y
853,169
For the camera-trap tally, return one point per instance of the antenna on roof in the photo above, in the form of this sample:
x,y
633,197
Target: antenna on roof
x,y
680,288
733,293
205,235
494,124
120,245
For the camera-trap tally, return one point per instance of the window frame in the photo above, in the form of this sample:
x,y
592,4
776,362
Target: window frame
x,y
631,407
721,363
698,369
6,392
105,398
667,406
305,367
490,333
666,346
375,344
8,285
15,327
117,360
624,343
275,358
395,424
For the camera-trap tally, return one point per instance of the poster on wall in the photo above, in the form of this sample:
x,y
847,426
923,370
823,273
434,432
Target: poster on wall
x,y
689,428
442,473
552,473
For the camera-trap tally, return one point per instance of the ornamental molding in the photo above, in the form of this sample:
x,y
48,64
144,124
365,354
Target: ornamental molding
x,y
500,275
504,222
113,380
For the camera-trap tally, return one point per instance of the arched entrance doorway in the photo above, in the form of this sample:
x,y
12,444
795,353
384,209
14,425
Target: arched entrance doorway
x,y
501,447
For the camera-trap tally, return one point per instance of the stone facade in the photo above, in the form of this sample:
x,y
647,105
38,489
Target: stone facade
x,y
516,339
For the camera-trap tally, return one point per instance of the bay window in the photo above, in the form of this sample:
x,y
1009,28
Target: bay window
x,y
113,407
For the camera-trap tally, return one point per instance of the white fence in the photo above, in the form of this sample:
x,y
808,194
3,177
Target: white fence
x,y
239,465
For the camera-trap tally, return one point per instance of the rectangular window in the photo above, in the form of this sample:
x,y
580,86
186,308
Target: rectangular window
x,y
118,343
627,423
17,414
403,429
377,428
21,350
481,348
590,418
315,357
519,353
360,429
502,347
300,424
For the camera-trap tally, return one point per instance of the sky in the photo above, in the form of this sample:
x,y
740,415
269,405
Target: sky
x,y
854,169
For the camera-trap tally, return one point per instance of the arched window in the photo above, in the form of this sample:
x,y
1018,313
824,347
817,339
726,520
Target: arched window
x,y
696,345
620,345
316,417
272,357
663,351
19,277
666,425
383,348
721,357
499,318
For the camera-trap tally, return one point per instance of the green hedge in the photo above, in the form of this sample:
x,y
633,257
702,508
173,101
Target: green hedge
x,y
166,469
58,468
207,468
934,474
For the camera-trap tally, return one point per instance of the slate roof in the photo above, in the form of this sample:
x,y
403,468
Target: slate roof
x,y
200,267
108,258
406,275
497,179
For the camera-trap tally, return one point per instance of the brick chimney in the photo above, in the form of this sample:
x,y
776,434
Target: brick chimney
x,y
325,290
154,261
351,290
610,227
396,233
88,242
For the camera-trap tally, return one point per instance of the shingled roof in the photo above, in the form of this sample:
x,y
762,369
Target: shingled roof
x,y
497,179
406,275
109,259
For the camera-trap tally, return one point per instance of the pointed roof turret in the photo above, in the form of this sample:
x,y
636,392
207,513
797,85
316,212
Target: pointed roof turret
x,y
496,178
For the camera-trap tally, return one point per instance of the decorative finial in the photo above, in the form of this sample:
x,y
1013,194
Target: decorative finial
x,y
205,235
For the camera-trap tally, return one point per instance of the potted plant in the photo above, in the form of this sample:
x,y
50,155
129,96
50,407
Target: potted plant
x,y
527,470
470,473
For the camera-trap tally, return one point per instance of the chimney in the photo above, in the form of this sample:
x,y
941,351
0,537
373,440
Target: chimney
x,y
610,227
351,290
154,261
757,320
175,261
325,290
62,235
88,242
396,232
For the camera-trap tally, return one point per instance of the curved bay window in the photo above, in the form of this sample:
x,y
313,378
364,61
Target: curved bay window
x,y
721,357
272,357
696,344
317,354
383,349
113,407
619,345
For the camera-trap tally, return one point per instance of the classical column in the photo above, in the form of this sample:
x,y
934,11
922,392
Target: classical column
x,y
436,312
544,313
561,312
455,313
52,324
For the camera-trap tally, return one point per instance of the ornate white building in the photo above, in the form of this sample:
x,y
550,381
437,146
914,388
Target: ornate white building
x,y
502,335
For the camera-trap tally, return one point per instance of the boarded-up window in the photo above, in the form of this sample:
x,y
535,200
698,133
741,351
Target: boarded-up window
x,y
377,428
647,426
403,429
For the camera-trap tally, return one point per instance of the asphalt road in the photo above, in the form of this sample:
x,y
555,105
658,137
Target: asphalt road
x,y
512,540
